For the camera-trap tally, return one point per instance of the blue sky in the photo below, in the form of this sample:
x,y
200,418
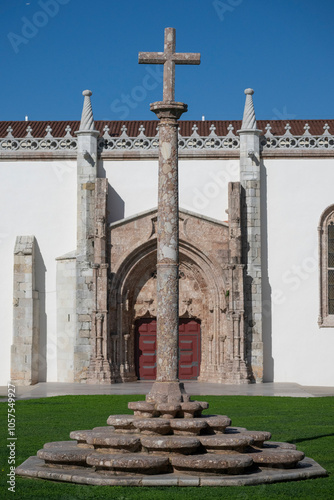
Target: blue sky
x,y
51,50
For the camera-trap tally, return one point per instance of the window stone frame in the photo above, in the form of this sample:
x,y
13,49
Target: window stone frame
x,y
325,320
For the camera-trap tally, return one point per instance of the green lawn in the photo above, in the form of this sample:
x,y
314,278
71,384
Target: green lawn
x,y
308,423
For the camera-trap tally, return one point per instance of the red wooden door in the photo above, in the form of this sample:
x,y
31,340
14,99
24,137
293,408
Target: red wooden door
x,y
145,352
189,349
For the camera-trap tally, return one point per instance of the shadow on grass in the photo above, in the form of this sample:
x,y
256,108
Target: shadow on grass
x,y
302,440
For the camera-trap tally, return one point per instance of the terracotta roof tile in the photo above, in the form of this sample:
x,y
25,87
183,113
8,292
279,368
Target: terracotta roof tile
x,y
58,127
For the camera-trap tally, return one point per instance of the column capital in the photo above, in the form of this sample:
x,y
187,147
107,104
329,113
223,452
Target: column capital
x,y
171,110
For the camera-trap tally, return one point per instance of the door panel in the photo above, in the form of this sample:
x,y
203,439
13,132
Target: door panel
x,y
145,354
189,349
189,345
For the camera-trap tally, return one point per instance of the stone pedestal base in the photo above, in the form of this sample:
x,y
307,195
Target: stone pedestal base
x,y
167,392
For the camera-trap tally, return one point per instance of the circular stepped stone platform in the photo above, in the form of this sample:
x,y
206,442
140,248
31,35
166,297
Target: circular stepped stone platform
x,y
169,444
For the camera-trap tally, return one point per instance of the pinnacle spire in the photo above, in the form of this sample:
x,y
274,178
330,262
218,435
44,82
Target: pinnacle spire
x,y
87,118
249,120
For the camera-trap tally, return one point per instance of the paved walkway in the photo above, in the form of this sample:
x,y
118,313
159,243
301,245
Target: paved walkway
x,y
48,389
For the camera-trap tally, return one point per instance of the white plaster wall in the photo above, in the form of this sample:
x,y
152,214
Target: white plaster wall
x,y
202,184
297,193
37,198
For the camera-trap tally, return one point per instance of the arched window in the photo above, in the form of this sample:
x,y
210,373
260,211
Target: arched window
x,y
326,253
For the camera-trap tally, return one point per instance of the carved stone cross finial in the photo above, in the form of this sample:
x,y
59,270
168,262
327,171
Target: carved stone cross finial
x,y
326,127
169,58
307,129
29,130
48,131
68,131
9,130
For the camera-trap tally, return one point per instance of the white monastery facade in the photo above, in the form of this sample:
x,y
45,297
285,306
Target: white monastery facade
x,y
78,203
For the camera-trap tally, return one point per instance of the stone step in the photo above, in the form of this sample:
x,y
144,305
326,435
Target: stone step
x,y
65,455
105,428
81,437
191,409
276,458
143,409
221,442
153,426
114,442
122,423
128,463
60,444
259,437
211,464
217,423
168,410
170,444
188,426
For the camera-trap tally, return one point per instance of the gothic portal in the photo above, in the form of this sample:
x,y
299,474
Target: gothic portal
x,y
212,345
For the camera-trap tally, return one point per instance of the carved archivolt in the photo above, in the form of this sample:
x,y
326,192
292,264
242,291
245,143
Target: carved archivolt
x,y
202,296
211,292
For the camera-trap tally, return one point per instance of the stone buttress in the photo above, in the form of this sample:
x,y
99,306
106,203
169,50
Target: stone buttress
x,y
25,347
86,184
251,227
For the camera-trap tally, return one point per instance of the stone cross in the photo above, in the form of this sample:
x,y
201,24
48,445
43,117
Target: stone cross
x,y
167,388
169,58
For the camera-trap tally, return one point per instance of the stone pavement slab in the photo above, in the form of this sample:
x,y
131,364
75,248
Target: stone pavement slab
x,y
48,389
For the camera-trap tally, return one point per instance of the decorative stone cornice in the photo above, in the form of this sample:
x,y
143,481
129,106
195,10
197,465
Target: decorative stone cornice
x,y
212,144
